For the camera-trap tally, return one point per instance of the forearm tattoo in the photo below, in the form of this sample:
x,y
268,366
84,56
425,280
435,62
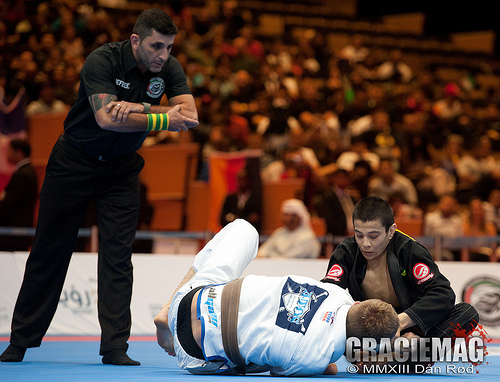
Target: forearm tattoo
x,y
98,101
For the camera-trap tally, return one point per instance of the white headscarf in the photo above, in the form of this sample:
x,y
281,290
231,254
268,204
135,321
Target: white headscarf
x,y
297,207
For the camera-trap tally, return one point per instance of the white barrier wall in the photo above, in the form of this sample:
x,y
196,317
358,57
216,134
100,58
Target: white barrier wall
x,y
156,277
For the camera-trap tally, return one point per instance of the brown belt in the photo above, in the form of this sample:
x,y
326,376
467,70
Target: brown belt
x,y
230,301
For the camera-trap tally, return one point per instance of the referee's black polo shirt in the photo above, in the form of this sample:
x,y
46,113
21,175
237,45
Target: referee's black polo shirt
x,y
112,69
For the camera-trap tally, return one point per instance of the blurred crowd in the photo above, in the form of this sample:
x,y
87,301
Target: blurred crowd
x,y
351,121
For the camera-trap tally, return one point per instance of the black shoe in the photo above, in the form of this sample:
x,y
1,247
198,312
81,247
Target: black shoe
x,y
13,353
118,357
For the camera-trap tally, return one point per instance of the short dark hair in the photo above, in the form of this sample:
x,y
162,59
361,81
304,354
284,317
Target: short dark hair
x,y
21,144
156,19
374,208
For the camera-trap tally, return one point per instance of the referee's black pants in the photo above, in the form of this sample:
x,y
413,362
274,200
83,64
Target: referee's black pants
x,y
72,179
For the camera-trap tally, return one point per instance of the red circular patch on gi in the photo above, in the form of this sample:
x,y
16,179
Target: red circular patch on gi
x,y
420,270
335,271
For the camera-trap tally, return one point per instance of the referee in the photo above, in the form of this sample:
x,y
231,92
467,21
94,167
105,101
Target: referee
x,y
121,86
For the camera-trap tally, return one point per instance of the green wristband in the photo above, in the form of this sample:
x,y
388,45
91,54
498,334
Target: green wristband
x,y
150,126
157,122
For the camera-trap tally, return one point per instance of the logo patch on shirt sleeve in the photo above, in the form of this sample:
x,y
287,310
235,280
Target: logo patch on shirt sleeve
x,y
335,272
422,273
298,304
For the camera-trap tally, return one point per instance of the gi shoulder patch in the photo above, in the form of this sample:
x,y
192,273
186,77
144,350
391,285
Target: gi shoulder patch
x,y
422,273
335,272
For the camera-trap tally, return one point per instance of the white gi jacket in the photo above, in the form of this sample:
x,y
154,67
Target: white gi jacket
x,y
292,326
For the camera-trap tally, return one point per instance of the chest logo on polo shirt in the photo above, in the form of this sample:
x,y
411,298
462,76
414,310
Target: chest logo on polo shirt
x,y
298,304
156,87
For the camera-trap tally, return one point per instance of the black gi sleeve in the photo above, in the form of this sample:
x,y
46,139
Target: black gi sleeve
x,y
431,290
340,265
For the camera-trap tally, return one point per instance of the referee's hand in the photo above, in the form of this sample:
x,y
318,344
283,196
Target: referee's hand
x,y
178,121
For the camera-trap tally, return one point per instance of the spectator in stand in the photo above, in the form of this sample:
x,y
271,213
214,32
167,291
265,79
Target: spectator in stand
x,y
355,52
221,84
47,43
450,106
413,137
231,19
418,102
18,200
401,209
254,47
305,61
492,208
70,43
445,221
490,164
280,55
491,120
310,99
376,129
394,69
477,225
477,170
358,151
46,102
297,161
452,152
368,69
388,181
322,135
335,205
241,59
66,80
12,108
26,71
244,88
203,21
245,203
360,178
295,238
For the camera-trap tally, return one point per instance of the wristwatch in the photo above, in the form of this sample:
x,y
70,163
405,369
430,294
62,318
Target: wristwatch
x,y
147,106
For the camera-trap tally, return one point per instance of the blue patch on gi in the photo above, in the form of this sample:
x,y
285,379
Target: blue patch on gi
x,y
298,304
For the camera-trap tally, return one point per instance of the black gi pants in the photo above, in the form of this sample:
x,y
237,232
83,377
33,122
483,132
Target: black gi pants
x,y
459,322
463,316
72,179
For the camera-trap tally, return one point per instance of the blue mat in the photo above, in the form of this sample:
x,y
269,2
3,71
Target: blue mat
x,y
73,361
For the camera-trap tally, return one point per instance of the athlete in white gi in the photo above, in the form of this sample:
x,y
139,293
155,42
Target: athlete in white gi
x,y
293,326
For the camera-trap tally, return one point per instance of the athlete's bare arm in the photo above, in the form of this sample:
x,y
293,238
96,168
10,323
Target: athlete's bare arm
x,y
163,334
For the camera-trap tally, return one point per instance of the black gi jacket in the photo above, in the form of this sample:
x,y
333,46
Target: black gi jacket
x,y
422,291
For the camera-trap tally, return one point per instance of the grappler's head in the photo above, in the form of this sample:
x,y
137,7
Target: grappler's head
x,y
374,208
372,319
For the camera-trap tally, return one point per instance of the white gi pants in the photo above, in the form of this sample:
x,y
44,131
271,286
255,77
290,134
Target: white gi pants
x,y
224,258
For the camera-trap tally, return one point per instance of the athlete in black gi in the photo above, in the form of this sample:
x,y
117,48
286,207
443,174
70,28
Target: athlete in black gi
x,y
96,158
381,262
